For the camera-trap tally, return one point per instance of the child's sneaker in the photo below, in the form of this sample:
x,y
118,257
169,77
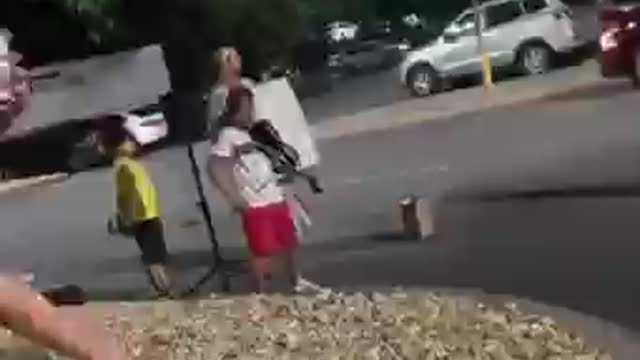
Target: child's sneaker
x,y
307,287
161,281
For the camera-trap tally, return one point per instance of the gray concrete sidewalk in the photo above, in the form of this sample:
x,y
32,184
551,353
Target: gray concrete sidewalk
x,y
460,101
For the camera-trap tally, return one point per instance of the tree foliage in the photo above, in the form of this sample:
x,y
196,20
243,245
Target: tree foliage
x,y
380,9
266,31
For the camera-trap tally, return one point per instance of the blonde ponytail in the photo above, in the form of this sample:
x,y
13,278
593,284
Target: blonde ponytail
x,y
221,60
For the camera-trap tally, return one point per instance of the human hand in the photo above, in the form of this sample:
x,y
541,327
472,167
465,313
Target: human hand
x,y
70,331
108,348
92,339
26,278
112,226
237,203
116,226
239,207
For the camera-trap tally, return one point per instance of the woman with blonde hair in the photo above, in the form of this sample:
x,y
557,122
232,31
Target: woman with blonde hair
x,y
227,64
227,68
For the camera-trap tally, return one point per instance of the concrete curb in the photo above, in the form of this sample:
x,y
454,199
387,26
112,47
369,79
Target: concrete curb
x,y
460,102
27,183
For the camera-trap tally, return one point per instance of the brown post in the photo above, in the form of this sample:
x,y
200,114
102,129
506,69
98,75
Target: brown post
x,y
410,224
416,218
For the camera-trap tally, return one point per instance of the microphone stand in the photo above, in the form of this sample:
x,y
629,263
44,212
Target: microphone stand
x,y
218,268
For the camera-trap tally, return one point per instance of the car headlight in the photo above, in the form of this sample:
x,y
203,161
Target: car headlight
x,y
404,46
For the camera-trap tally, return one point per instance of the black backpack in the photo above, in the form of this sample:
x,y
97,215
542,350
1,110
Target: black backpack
x,y
285,157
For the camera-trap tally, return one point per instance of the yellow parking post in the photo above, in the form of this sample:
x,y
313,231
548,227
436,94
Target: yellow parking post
x,y
487,71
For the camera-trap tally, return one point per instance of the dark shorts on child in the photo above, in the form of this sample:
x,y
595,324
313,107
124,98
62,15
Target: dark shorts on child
x,y
150,238
269,229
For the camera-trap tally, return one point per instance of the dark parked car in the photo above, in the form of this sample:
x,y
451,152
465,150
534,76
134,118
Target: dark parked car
x,y
44,151
620,39
71,146
355,56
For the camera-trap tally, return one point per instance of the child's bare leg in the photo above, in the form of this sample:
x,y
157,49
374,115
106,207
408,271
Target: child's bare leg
x,y
298,284
261,273
291,271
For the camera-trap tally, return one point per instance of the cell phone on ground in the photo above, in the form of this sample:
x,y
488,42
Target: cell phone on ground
x,y
67,295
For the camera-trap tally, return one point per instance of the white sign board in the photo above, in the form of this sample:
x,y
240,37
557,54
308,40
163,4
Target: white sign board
x,y
5,66
276,102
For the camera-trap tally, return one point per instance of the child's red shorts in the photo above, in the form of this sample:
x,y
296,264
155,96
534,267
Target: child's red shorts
x,y
269,229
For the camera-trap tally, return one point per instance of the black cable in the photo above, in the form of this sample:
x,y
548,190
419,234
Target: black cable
x,y
217,267
203,204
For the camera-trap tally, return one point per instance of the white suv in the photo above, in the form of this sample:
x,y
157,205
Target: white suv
x,y
524,33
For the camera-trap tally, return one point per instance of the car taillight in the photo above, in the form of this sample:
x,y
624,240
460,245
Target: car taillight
x,y
609,38
6,96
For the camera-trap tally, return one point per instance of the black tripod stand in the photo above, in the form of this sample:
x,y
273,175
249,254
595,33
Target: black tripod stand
x,y
218,267
179,107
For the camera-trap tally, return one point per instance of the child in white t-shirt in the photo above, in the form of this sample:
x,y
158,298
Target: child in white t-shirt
x,y
245,176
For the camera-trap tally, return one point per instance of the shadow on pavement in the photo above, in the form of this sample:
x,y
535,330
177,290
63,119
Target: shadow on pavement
x,y
613,191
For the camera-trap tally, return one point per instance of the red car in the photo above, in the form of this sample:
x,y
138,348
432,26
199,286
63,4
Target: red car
x,y
620,39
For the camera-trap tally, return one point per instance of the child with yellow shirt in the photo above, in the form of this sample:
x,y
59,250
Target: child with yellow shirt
x,y
137,203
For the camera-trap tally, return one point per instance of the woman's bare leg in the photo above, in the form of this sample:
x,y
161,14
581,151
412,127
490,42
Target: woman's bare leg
x,y
261,273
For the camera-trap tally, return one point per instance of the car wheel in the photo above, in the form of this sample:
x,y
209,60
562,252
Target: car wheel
x,y
422,80
535,59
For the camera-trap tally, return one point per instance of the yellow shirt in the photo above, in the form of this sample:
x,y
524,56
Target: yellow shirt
x,y
136,196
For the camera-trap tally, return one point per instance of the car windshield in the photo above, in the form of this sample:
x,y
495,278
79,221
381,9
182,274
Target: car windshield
x,y
465,21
